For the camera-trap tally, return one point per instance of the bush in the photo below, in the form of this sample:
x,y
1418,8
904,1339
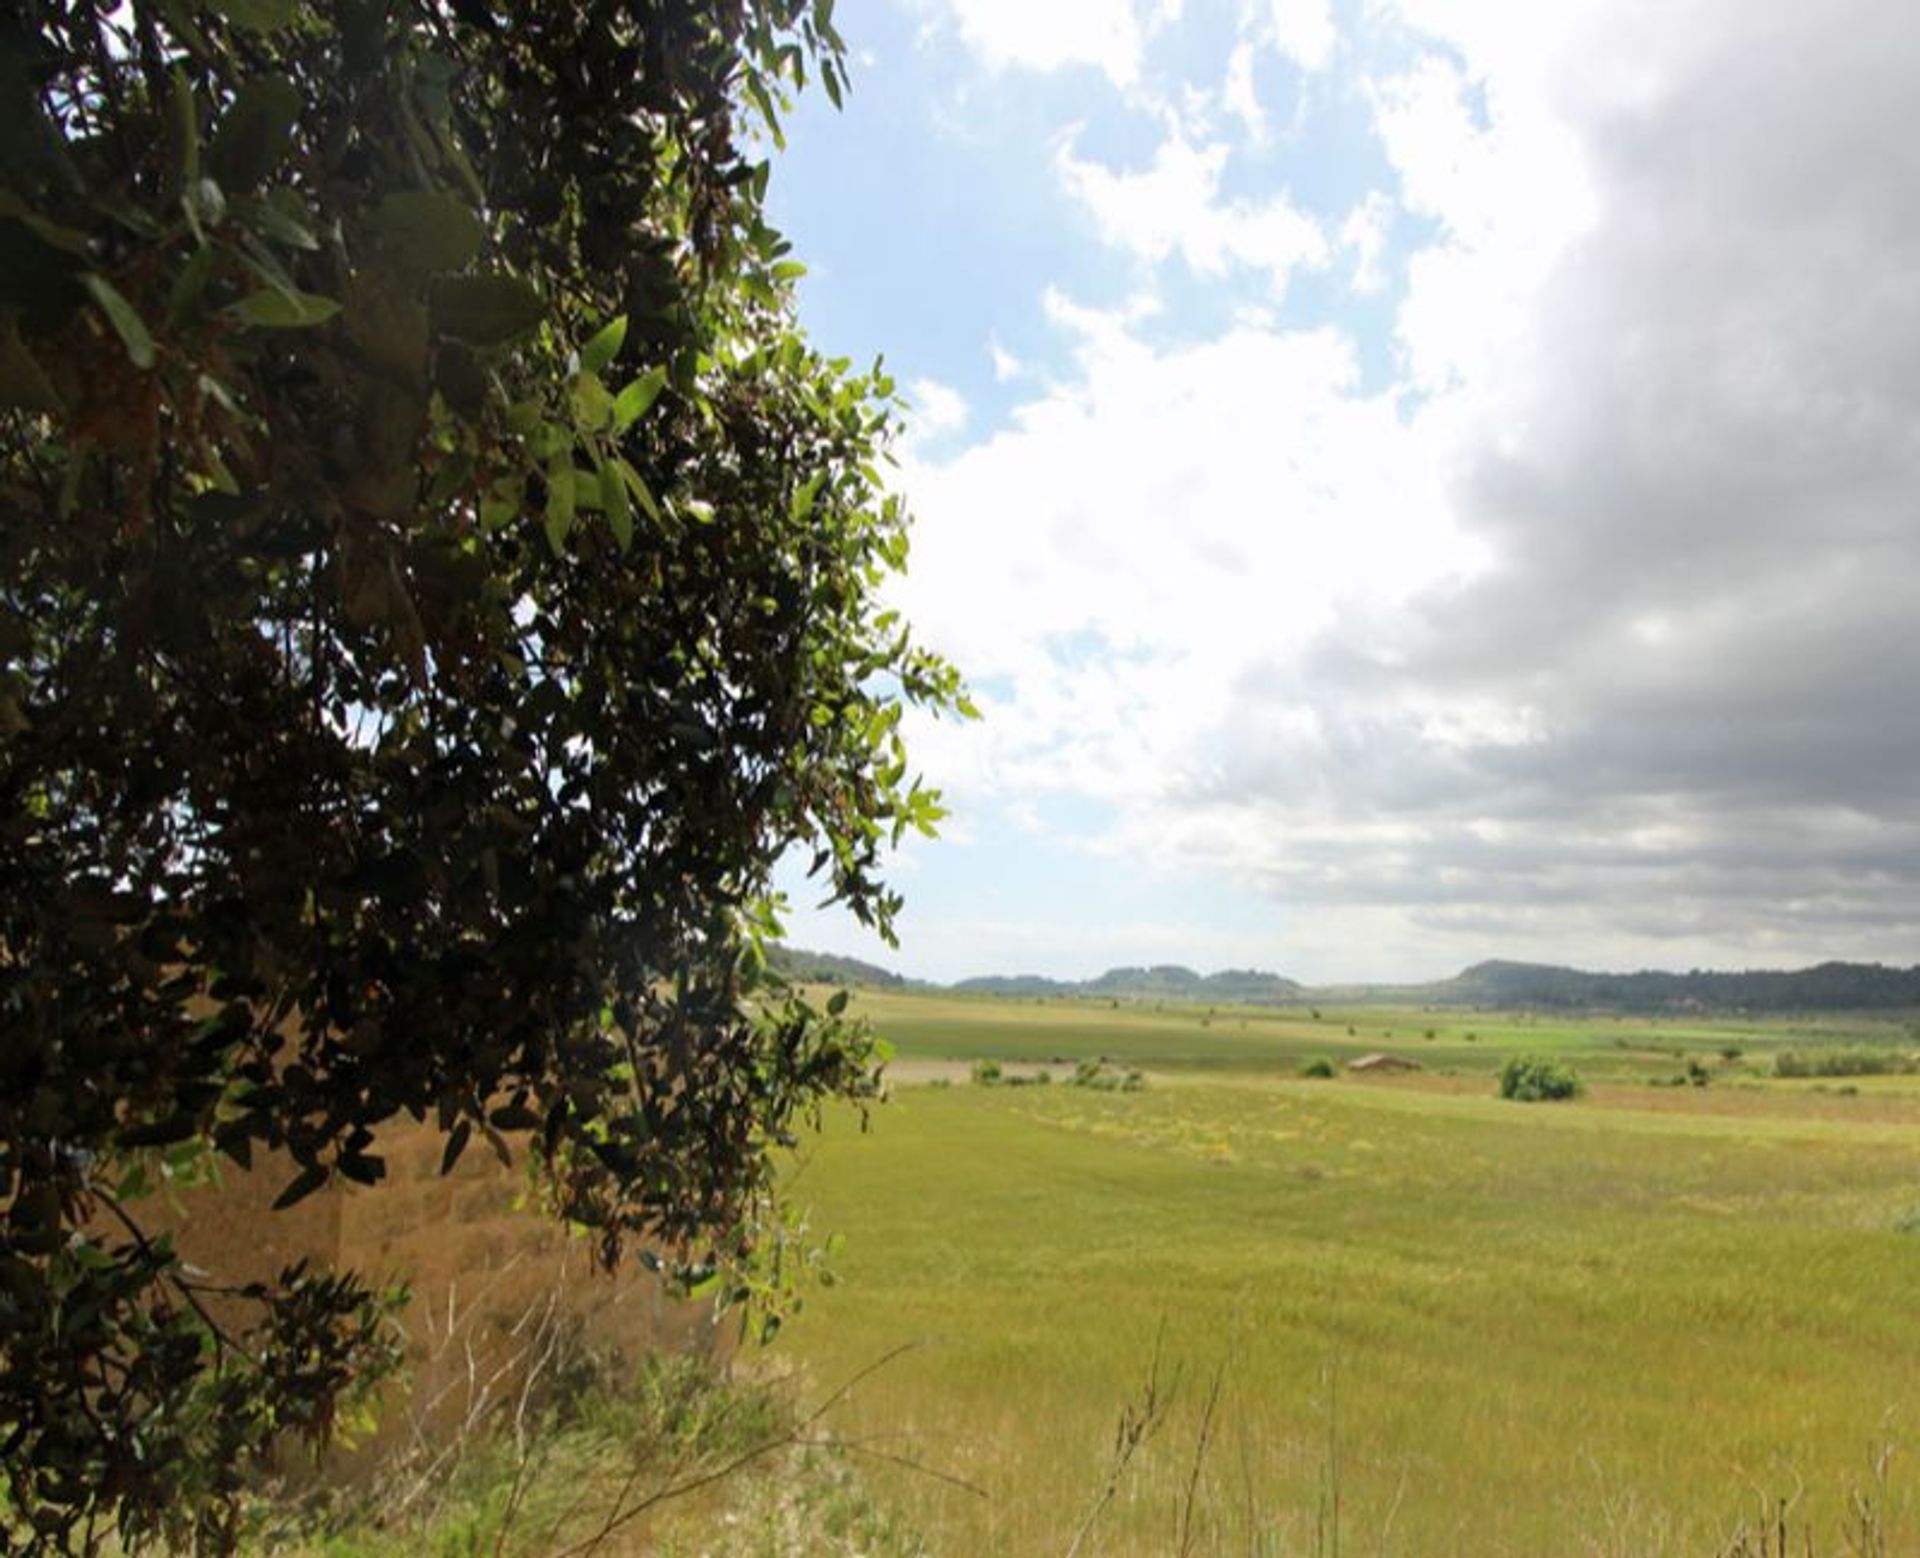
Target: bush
x,y
1319,1066
1531,1079
1103,1078
986,1073
1838,1062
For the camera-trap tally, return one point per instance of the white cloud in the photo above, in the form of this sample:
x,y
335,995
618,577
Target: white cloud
x,y
1240,97
1175,206
1510,195
1302,30
1670,348
937,410
1104,34
1363,235
1588,638
1148,529
1006,366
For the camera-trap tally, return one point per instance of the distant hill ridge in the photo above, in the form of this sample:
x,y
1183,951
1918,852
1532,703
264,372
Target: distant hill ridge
x,y
829,968
1831,986
1824,987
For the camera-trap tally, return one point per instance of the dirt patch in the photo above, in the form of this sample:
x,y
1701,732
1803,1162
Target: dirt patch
x,y
920,1072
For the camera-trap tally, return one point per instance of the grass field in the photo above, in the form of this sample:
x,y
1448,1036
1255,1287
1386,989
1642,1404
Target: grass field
x,y
1441,1323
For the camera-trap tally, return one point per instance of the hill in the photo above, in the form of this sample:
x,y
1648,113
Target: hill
x,y
1162,981
829,968
1824,987
1495,983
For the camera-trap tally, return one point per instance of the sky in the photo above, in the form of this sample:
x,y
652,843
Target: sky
x,y
1408,481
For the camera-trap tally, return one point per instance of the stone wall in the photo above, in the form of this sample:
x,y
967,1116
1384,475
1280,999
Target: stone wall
x,y
501,1294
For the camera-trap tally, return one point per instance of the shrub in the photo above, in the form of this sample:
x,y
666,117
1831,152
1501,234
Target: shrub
x,y
1837,1062
1103,1078
1531,1079
1319,1066
986,1073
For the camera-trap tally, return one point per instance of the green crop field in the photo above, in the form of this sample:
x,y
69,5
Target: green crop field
x,y
1440,1322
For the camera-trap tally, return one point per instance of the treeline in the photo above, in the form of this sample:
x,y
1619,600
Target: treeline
x,y
828,968
1162,981
1825,987
1496,983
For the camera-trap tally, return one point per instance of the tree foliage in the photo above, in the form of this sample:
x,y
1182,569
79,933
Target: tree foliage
x,y
437,583
1533,1079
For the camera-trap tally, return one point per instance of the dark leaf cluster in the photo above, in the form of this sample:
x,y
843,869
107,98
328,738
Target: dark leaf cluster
x,y
437,583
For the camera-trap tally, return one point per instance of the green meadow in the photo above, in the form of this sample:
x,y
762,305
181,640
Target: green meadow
x,y
1370,1316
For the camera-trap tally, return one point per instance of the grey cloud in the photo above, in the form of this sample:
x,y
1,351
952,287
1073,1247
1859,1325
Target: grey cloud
x,y
1707,597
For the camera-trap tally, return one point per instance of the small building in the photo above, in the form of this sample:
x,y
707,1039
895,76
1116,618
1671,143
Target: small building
x,y
1382,1063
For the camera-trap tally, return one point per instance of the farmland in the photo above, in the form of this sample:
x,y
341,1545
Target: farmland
x,y
1439,1322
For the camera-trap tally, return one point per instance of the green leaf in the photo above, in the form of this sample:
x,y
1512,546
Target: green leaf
x,y
53,234
133,1184
592,405
302,1185
190,283
205,205
631,404
615,499
631,478
254,134
598,354
271,219
486,310
186,129
500,506
363,1168
257,15
560,500
804,499
763,100
22,380
275,310
124,318
427,231
457,1140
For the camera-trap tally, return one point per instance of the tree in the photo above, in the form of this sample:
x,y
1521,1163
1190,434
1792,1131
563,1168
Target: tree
x,y
437,583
